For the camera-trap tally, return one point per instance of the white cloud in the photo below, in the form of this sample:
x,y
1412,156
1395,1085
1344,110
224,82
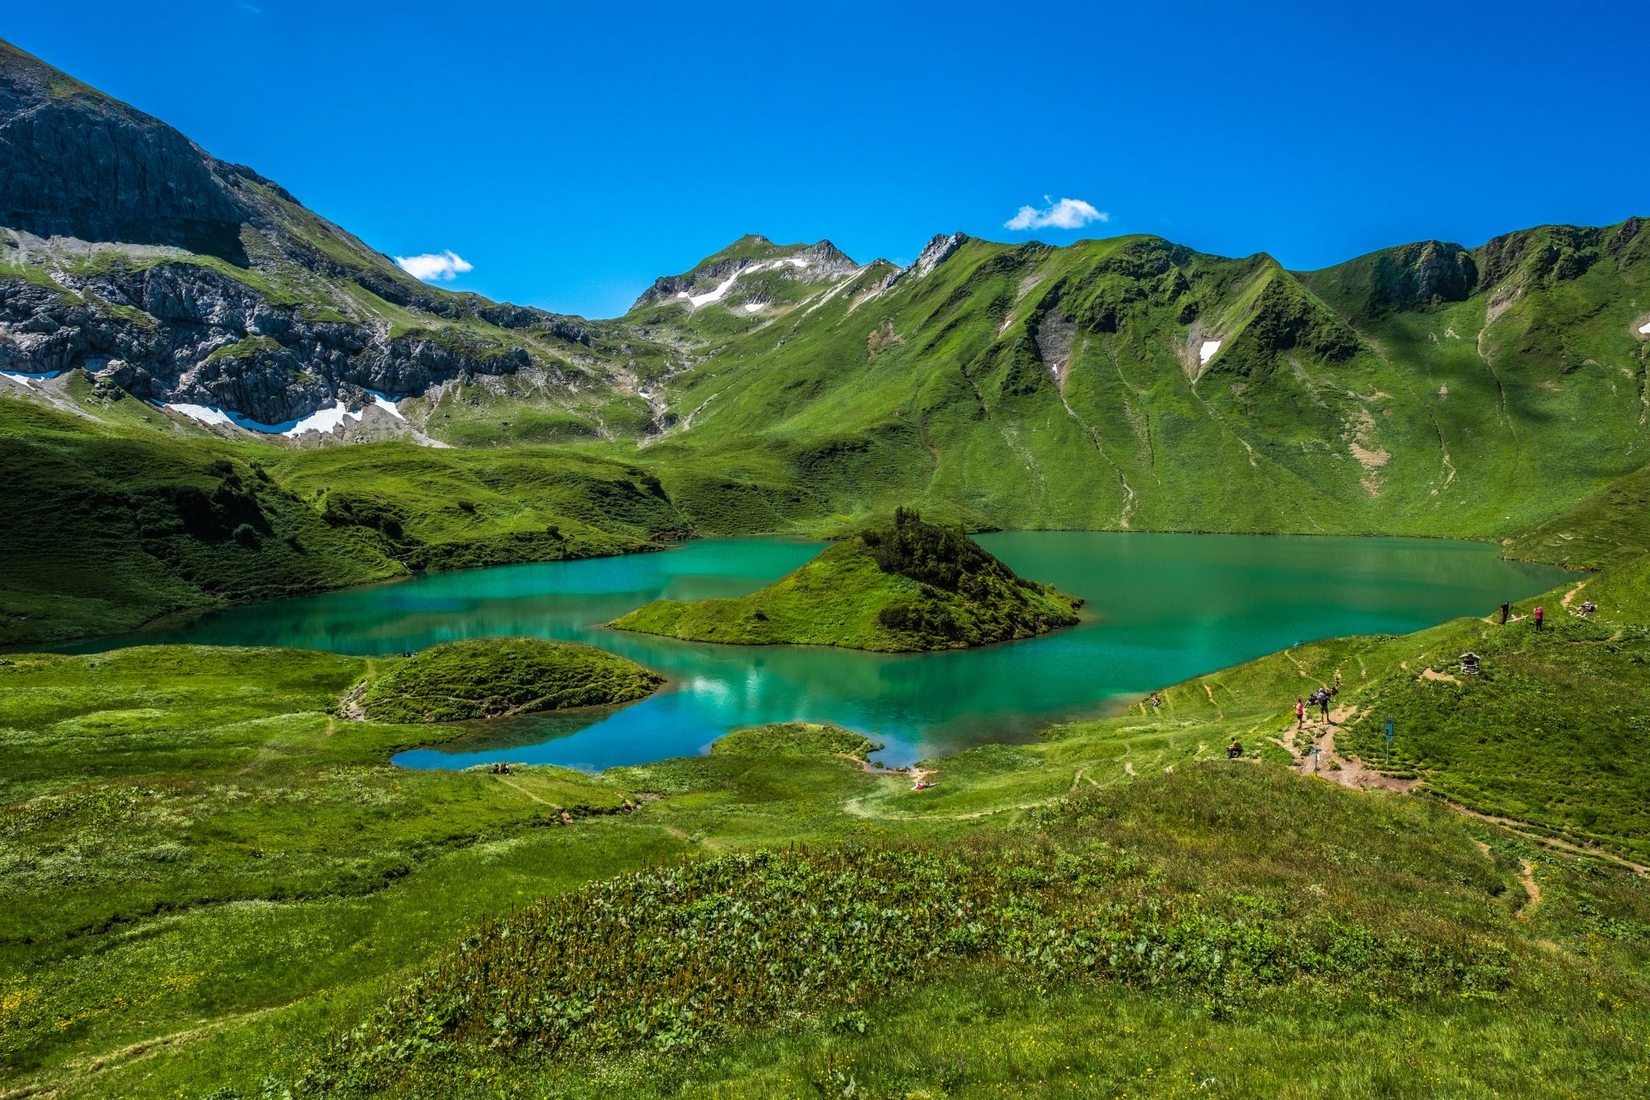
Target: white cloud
x,y
1065,214
432,266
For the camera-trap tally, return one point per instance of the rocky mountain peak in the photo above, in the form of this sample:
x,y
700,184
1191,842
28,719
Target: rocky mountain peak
x,y
80,164
716,276
932,255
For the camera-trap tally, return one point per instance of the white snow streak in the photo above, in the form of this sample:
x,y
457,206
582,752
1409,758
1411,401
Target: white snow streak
x,y
1207,351
322,420
726,285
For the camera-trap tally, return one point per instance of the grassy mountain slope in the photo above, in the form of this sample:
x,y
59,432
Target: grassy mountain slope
x,y
901,586
109,528
1036,387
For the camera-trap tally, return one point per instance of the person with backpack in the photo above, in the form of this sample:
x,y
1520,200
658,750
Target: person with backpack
x,y
1506,609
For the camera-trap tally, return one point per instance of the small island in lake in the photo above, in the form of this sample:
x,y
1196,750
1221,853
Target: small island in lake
x,y
496,678
899,587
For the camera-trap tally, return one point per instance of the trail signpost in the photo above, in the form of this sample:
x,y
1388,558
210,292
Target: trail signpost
x,y
1389,741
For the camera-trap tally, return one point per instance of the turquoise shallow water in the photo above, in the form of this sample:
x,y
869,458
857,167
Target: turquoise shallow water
x,y
1161,608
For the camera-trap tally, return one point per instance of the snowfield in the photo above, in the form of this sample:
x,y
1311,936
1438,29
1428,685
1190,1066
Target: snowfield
x,y
29,379
322,420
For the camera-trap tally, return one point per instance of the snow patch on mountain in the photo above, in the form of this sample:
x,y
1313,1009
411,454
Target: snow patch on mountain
x,y
1644,330
1207,351
831,293
726,285
387,403
206,414
325,420
29,380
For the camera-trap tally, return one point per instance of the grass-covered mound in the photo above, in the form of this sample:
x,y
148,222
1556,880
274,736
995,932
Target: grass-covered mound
x,y
899,587
795,739
495,677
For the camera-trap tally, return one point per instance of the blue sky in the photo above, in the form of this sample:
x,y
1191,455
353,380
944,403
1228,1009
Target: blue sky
x,y
571,153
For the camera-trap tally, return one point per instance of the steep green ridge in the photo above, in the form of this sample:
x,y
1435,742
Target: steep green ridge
x,y
1027,386
494,677
1550,733
902,586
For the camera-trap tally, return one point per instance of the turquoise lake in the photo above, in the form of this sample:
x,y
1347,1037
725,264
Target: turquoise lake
x,y
1161,608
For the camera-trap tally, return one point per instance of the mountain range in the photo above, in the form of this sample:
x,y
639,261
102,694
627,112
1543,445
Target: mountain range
x,y
152,295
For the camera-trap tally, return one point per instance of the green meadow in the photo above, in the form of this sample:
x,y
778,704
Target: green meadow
x,y
218,886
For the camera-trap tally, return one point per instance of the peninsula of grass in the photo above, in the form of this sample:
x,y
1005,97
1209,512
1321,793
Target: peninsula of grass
x,y
498,677
903,586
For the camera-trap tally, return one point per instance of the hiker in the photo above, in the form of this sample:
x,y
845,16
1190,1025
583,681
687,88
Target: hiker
x,y
1157,700
1300,714
1539,614
1588,607
1506,609
1323,705
1234,750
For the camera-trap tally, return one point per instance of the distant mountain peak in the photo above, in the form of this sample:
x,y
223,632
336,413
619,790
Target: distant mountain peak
x,y
80,164
934,253
716,277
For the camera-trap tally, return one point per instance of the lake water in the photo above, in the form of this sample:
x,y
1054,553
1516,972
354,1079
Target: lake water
x,y
1161,608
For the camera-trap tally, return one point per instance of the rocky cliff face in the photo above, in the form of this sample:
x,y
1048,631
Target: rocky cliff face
x,y
934,253
204,338
136,256
81,164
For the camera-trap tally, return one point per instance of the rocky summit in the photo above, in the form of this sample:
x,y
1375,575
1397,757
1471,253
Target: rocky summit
x,y
134,255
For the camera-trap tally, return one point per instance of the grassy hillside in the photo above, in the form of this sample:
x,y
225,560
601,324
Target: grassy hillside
x,y
214,886
108,528
902,586
1027,386
494,677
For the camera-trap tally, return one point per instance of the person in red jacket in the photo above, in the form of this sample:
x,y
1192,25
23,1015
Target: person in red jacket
x,y
1538,613
1300,713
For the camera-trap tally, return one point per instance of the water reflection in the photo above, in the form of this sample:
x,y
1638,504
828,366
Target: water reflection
x,y
1161,608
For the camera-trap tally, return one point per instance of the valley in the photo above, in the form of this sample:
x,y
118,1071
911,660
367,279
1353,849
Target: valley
x,y
371,725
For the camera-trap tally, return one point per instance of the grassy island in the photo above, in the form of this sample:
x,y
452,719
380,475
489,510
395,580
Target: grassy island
x,y
903,586
495,677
